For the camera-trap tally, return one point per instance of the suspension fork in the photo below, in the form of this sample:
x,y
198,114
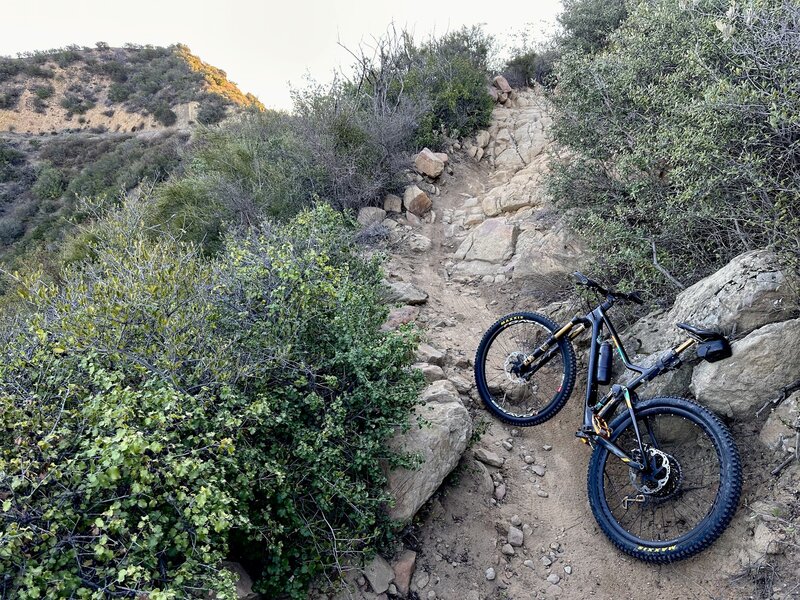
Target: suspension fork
x,y
550,348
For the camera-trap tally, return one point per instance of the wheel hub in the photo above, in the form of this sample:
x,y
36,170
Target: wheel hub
x,y
662,475
513,367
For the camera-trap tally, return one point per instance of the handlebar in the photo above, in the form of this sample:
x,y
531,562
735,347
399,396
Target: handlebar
x,y
634,297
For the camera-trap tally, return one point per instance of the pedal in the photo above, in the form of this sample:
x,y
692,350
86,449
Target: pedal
x,y
601,428
628,500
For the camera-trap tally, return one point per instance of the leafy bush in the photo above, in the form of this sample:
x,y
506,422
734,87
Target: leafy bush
x,y
588,23
118,92
451,72
10,99
250,167
165,115
10,160
212,109
49,183
683,136
185,409
78,99
529,66
43,92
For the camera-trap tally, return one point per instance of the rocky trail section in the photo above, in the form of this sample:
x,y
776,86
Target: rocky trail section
x,y
511,520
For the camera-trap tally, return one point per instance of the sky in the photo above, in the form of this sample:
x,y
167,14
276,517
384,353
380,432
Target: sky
x,y
265,47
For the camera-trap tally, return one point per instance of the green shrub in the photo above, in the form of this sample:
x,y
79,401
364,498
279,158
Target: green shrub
x,y
587,24
77,100
680,135
10,160
165,115
212,109
250,167
43,92
9,68
186,410
531,66
10,99
66,57
49,183
118,92
452,72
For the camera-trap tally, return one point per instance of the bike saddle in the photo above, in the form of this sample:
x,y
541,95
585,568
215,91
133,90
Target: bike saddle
x,y
701,335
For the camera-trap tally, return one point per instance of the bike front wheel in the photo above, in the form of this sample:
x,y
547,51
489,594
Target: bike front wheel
x,y
523,399
687,496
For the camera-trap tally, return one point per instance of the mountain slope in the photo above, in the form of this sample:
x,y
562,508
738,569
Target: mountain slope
x,y
95,123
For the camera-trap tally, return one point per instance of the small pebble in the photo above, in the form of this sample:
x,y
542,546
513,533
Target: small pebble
x,y
516,521
555,546
362,581
528,459
431,595
542,494
538,469
392,589
508,446
547,447
508,550
553,578
514,432
529,564
568,570
500,491
490,574
546,561
515,536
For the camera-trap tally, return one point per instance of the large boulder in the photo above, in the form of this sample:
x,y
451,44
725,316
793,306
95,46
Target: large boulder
x,y
244,583
440,441
393,204
416,201
501,83
763,363
492,241
371,215
405,293
429,163
400,316
749,292
548,253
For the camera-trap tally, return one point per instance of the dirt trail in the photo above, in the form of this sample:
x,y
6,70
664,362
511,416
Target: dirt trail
x,y
461,532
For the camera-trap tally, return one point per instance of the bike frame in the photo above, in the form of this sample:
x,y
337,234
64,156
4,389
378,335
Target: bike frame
x,y
594,429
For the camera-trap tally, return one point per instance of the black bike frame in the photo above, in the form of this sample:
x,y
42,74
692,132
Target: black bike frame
x,y
594,426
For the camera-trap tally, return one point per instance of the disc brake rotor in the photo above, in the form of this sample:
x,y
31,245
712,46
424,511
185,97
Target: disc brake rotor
x,y
512,366
658,476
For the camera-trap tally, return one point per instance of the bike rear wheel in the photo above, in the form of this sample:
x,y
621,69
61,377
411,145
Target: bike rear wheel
x,y
688,497
517,399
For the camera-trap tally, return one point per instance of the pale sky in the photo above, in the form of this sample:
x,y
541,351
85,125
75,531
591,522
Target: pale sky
x,y
263,46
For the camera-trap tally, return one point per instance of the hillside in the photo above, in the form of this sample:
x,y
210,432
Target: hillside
x,y
119,90
88,123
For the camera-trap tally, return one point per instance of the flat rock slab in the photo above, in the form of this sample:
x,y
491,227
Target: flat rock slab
x,y
492,241
399,291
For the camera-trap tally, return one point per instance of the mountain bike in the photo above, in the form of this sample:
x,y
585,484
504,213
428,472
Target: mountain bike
x,y
664,477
